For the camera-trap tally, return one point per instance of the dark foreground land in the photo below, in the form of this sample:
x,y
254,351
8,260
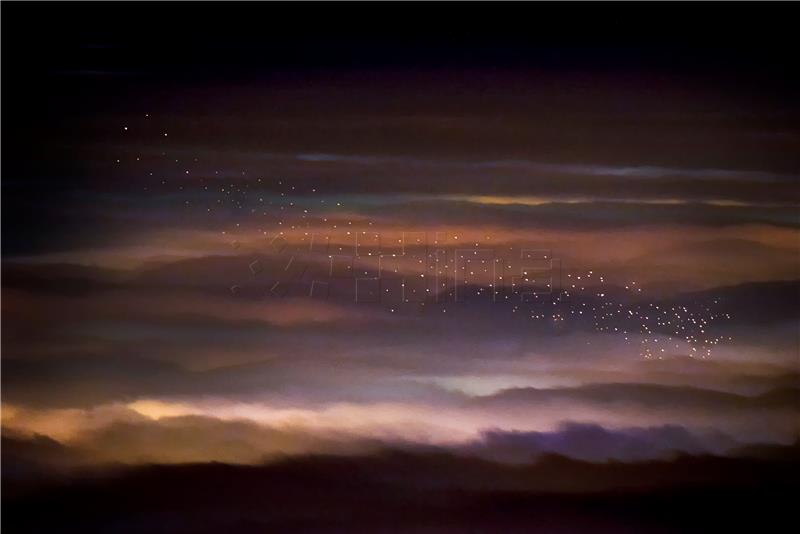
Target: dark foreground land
x,y
409,492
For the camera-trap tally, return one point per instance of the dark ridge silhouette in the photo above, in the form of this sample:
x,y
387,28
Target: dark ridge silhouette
x,y
415,492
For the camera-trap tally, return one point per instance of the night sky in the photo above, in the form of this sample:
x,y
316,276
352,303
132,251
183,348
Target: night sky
x,y
465,233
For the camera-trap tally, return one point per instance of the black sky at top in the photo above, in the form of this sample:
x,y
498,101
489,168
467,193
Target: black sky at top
x,y
174,41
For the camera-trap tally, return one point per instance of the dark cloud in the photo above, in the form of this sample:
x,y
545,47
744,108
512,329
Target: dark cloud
x,y
594,443
649,396
596,215
203,439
